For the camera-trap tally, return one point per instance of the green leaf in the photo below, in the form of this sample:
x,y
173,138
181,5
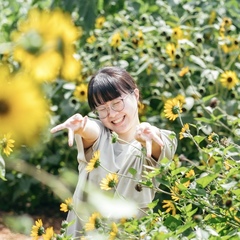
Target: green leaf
x,y
199,138
236,192
153,204
179,170
172,223
184,227
205,120
133,171
207,98
204,181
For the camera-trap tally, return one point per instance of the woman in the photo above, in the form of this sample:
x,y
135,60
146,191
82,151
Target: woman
x,y
114,96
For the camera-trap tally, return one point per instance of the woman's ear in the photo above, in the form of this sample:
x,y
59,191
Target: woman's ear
x,y
136,93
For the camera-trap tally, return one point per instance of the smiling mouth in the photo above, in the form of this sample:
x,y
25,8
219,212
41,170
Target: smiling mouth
x,y
118,120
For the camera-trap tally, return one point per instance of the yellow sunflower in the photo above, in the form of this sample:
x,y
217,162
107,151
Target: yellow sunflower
x,y
170,207
172,108
91,39
43,51
184,71
114,231
94,222
49,234
177,33
99,22
212,137
80,92
229,79
23,110
116,40
231,44
171,50
184,130
181,99
7,144
190,174
37,229
71,67
67,206
109,182
94,162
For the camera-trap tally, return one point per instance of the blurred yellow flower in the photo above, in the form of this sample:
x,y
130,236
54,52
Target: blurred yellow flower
x,y
170,206
114,231
190,174
37,229
184,71
184,130
212,137
109,182
99,22
172,108
141,108
227,22
212,17
94,162
94,222
229,79
23,109
71,67
175,193
91,39
181,99
80,92
43,42
7,144
49,234
231,44
138,39
177,33
171,50
116,40
67,206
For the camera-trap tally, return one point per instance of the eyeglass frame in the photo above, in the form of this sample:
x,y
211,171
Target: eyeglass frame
x,y
111,106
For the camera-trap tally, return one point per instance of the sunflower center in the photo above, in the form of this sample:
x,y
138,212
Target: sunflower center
x,y
97,223
4,107
82,93
111,183
175,109
229,79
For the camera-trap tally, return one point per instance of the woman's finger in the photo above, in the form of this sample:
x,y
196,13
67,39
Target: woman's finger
x,y
70,137
57,128
149,147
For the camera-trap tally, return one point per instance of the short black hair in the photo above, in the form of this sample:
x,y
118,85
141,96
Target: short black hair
x,y
107,84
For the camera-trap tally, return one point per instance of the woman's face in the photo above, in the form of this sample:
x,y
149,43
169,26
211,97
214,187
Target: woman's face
x,y
122,122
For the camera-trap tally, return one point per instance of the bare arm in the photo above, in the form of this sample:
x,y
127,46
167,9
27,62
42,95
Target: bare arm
x,y
77,124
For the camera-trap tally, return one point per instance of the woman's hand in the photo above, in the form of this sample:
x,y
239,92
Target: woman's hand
x,y
76,123
146,134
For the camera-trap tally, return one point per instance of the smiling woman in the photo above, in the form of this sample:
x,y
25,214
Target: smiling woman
x,y
107,164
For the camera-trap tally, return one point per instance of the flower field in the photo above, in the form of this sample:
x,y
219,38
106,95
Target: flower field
x,y
185,58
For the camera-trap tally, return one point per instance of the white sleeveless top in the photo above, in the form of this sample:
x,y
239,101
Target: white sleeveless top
x,y
118,158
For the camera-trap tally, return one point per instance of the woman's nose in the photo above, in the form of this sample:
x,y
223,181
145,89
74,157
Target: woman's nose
x,y
111,112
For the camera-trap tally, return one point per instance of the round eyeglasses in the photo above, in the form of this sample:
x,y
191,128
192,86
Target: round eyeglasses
x,y
117,105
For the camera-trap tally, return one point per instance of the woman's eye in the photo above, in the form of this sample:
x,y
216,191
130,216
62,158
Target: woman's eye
x,y
101,109
116,103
